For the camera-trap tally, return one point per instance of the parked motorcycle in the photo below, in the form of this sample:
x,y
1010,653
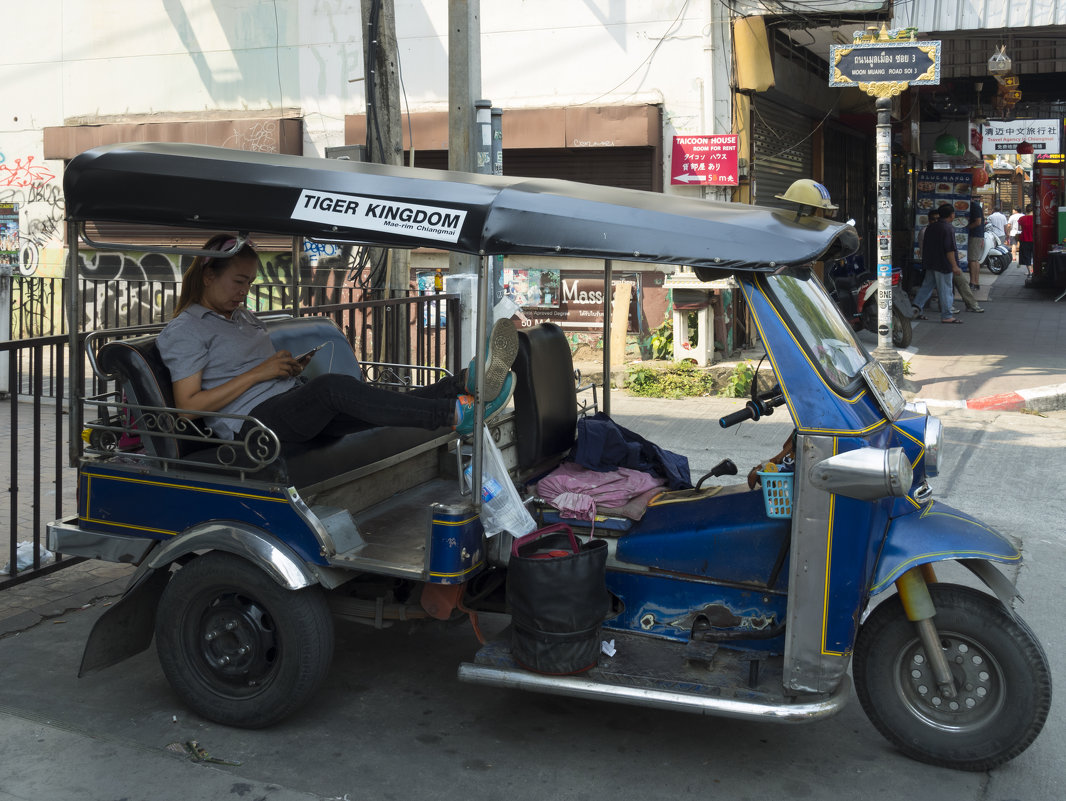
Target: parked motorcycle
x,y
854,290
997,254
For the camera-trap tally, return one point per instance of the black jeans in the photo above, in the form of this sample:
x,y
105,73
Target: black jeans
x,y
334,404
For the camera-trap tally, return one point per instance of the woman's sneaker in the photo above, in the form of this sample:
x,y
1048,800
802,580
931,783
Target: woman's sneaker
x,y
502,349
465,411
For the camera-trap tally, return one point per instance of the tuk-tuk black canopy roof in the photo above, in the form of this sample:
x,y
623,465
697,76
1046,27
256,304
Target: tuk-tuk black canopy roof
x,y
221,189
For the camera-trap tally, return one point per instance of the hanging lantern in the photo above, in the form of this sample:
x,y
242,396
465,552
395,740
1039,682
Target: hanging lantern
x,y
1025,149
999,64
948,145
980,177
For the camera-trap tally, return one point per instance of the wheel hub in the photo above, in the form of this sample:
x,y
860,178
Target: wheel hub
x,y
976,678
237,641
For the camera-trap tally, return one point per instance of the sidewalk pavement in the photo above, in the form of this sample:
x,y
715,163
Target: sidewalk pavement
x,y
1008,358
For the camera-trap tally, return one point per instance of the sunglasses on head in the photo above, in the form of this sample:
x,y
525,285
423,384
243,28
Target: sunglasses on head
x,y
225,244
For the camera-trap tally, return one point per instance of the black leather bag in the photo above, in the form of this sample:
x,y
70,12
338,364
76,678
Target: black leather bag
x,y
557,593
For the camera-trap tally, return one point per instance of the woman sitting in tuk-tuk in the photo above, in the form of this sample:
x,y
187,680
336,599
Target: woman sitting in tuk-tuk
x,y
221,359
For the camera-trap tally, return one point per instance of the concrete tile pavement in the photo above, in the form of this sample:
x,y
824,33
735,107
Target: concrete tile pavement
x,y
1009,357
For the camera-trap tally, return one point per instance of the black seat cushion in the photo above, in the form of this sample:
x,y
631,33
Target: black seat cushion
x,y
545,397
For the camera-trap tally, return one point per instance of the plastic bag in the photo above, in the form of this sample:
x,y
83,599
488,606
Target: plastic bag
x,y
24,558
501,505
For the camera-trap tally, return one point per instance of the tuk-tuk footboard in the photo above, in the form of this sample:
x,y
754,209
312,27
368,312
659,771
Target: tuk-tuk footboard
x,y
646,671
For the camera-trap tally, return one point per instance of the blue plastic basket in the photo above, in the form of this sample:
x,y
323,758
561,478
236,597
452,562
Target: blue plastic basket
x,y
777,493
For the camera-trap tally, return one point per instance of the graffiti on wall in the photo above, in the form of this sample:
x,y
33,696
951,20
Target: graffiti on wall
x,y
138,288
135,288
22,173
40,204
261,136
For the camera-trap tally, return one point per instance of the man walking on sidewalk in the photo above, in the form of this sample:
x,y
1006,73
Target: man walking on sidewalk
x,y
963,285
940,258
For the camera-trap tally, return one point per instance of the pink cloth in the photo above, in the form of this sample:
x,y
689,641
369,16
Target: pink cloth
x,y
576,491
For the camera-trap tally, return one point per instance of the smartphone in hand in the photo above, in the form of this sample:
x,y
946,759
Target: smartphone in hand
x,y
303,357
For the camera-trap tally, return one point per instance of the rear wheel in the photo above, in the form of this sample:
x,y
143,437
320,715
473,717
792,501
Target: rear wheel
x,y
901,330
997,263
1001,678
237,647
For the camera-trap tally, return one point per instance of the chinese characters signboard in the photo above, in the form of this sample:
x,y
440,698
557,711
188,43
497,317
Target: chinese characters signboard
x,y
1004,137
705,160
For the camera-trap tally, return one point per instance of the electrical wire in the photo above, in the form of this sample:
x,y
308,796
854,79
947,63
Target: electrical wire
x,y
406,105
277,55
795,144
647,59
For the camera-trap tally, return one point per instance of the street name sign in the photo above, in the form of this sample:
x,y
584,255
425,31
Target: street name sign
x,y
876,64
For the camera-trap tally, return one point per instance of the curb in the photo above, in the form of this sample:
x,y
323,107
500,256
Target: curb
x,y
1039,399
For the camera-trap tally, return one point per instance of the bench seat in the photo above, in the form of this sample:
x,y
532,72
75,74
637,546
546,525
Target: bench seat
x,y
544,398
145,380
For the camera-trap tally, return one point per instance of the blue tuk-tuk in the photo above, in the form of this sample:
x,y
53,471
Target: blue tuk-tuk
x,y
720,603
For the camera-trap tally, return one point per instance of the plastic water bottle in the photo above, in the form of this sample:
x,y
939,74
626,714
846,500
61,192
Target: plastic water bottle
x,y
498,511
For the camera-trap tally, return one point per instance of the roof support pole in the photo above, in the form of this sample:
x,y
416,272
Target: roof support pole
x,y
607,296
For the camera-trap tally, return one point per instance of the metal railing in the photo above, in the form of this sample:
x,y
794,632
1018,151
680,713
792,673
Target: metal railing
x,y
33,450
38,304
420,330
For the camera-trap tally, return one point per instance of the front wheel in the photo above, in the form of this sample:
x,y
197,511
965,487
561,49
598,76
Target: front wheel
x,y
1001,677
238,648
997,263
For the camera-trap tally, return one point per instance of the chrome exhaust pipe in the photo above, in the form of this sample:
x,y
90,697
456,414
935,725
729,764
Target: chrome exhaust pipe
x,y
584,687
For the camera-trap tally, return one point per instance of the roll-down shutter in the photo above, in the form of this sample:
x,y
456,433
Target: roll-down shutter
x,y
782,150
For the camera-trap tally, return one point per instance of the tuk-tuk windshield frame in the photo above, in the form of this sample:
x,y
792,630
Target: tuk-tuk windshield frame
x,y
818,326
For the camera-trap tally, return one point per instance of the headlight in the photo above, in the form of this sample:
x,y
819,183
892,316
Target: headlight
x,y
934,438
866,473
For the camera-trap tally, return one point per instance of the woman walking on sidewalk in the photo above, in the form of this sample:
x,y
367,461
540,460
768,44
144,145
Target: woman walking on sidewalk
x,y
1025,239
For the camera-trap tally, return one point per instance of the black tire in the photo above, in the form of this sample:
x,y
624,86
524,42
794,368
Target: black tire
x,y
1001,676
997,264
238,648
901,329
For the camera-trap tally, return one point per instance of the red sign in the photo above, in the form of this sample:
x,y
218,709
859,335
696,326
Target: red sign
x,y
705,160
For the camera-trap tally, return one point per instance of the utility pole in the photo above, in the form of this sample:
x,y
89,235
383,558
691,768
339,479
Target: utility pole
x,y
384,130
384,141
464,88
883,65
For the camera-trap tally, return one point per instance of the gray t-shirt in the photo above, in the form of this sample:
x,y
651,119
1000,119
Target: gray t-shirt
x,y
201,341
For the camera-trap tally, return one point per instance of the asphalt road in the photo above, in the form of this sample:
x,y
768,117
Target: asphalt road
x,y
394,723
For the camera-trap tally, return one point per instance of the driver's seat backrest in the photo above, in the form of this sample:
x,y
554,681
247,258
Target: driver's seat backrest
x,y
545,397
